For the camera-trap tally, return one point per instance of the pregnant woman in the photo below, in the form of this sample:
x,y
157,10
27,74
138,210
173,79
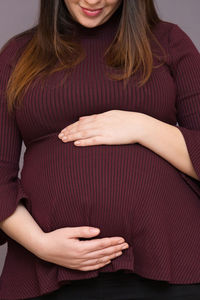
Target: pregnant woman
x,y
106,97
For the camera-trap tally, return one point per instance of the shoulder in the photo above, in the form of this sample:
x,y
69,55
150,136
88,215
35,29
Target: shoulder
x,y
164,31
163,27
171,34
175,41
14,47
167,28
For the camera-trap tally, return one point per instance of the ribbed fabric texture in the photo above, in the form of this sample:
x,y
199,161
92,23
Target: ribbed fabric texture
x,y
125,190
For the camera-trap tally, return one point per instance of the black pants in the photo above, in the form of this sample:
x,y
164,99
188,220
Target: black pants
x,y
120,286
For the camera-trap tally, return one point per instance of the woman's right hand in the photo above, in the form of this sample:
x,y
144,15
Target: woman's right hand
x,y
63,247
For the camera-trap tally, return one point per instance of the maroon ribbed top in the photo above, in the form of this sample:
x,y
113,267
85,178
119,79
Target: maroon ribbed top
x,y
125,190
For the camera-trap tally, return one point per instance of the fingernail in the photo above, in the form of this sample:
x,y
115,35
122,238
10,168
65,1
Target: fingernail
x,y
94,230
61,135
120,241
125,247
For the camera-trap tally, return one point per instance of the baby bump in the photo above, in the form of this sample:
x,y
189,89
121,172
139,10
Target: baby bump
x,y
108,186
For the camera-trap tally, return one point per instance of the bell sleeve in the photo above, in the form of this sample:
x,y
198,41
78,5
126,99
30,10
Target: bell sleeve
x,y
11,191
185,68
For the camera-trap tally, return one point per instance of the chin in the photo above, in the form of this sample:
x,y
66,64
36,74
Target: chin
x,y
92,25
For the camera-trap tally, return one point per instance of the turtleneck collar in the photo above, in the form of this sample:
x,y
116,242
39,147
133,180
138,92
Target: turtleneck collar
x,y
111,24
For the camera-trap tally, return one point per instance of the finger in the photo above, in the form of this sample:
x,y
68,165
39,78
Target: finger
x,y
89,117
82,232
84,120
96,140
100,260
75,126
84,134
82,127
89,268
99,244
69,127
106,252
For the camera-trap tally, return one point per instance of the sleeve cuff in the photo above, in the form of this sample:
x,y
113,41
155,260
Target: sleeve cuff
x,y
192,140
9,210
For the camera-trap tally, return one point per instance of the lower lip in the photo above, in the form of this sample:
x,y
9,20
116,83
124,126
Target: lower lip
x,y
92,13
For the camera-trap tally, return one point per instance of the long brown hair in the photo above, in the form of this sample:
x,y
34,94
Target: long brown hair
x,y
54,47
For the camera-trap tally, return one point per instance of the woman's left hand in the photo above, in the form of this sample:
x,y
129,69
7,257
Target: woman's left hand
x,y
112,127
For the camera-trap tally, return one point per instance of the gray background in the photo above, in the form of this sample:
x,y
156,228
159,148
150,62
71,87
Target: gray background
x,y
16,16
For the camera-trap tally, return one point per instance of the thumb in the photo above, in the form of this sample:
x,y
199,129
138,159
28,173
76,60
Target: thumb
x,y
83,231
